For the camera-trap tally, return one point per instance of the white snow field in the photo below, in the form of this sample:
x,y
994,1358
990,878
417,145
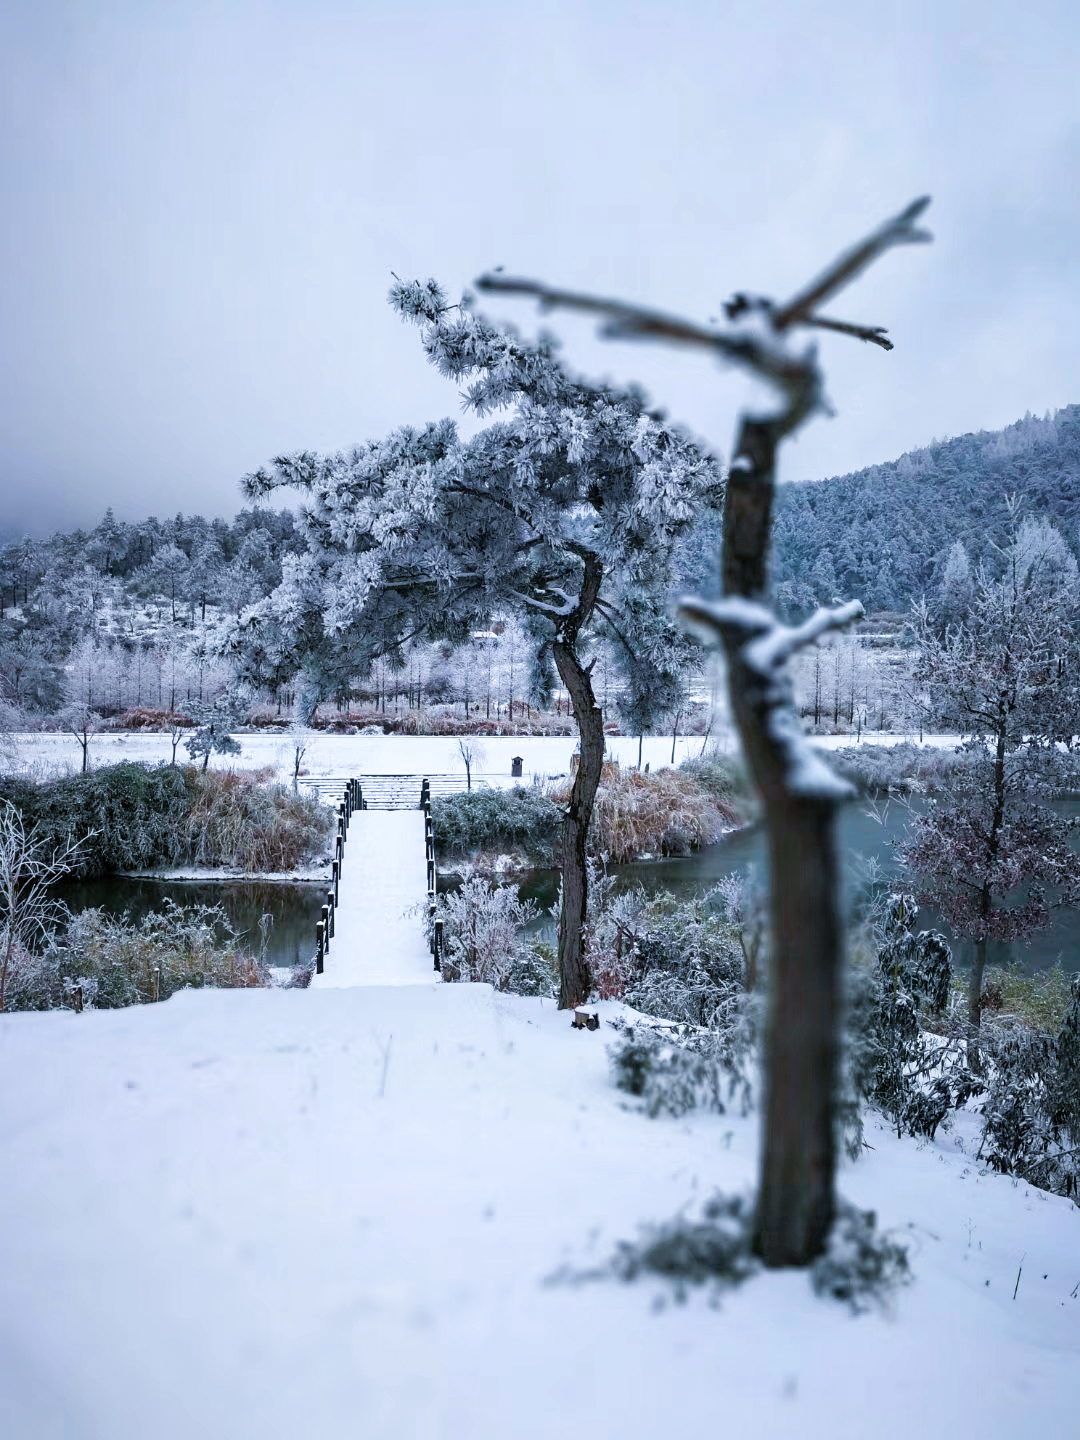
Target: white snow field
x,y
331,1213
542,755
379,936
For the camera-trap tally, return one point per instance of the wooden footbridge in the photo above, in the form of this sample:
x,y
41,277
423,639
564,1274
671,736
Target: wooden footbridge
x,y
379,925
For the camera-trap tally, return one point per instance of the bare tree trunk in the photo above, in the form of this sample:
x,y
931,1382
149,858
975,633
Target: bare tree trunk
x,y
574,979
796,1200
975,982
993,845
796,1203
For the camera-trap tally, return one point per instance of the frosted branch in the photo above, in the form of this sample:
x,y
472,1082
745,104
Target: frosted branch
x,y
753,352
764,646
557,612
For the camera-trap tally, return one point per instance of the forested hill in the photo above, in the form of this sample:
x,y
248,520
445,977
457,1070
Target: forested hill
x,y
882,535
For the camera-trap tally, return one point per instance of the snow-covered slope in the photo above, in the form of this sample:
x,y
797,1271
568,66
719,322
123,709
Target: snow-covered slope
x,y
331,1214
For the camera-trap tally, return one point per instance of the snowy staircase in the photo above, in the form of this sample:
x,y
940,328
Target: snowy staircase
x,y
388,792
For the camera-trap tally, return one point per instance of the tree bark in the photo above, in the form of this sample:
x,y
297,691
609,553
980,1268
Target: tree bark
x,y
796,1198
575,981
796,1202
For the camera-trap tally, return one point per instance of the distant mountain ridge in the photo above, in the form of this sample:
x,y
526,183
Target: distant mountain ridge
x,y
882,534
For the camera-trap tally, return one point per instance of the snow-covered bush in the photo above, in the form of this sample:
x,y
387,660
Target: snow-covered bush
x,y
860,1266
129,816
138,817
667,812
678,960
671,1074
110,961
1031,1113
878,768
485,819
240,819
893,1061
714,1248
484,939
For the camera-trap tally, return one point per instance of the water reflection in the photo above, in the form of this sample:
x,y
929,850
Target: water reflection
x,y
295,908
863,839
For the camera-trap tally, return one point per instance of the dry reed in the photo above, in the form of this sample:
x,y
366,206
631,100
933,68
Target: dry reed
x,y
668,812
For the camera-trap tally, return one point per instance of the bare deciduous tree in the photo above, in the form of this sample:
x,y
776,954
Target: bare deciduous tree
x,y
28,913
796,1198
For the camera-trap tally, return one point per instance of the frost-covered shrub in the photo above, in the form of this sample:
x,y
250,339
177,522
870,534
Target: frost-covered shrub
x,y
877,768
486,819
677,960
103,962
635,811
860,1266
133,816
893,1062
1031,1113
484,939
714,1248
239,819
723,777
667,1077
141,817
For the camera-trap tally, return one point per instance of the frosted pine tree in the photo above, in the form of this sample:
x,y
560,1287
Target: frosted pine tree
x,y
567,510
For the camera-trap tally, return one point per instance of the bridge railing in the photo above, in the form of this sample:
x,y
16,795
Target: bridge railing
x,y
435,925
352,799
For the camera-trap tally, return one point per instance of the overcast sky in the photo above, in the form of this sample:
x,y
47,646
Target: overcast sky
x,y
203,204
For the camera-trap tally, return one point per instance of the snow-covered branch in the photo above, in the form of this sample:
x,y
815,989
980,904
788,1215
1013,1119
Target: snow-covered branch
x,y
775,643
557,612
763,646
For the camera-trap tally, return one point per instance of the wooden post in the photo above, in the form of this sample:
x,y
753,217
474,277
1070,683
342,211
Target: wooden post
x,y
330,908
336,875
438,944
320,948
325,922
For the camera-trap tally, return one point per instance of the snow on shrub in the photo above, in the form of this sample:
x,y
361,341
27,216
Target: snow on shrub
x,y
240,819
667,812
486,819
861,1266
141,817
104,962
484,939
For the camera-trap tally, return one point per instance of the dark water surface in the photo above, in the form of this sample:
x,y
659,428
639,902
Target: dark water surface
x,y
863,838
296,908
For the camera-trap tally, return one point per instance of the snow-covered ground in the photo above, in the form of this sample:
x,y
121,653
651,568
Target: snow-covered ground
x,y
51,754
331,1213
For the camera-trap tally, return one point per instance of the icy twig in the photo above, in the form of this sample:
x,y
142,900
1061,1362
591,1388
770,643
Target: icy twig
x,y
763,645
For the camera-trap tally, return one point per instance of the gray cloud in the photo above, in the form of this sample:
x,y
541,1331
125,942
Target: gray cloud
x,y
204,205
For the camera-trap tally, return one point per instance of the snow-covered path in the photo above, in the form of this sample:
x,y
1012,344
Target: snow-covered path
x,y
379,934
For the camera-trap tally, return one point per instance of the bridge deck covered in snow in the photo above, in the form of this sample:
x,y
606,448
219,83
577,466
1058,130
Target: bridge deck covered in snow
x,y
378,932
